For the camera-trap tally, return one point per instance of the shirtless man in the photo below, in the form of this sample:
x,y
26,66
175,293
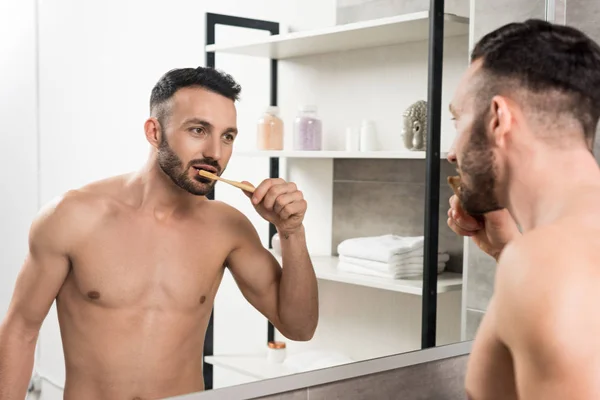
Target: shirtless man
x,y
526,112
134,261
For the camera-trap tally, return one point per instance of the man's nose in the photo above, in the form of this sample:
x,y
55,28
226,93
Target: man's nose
x,y
213,149
451,155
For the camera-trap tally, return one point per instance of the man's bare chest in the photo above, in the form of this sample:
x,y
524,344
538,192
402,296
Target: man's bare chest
x,y
129,263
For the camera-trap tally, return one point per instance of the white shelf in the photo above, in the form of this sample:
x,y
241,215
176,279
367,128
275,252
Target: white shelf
x,y
254,366
258,367
367,34
326,269
336,154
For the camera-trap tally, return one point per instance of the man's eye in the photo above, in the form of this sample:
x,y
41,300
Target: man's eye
x,y
229,137
198,131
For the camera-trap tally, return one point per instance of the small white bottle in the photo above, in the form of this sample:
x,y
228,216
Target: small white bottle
x,y
276,352
352,139
368,136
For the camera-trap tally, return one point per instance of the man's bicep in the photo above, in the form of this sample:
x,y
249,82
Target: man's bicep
x,y
256,272
254,268
42,273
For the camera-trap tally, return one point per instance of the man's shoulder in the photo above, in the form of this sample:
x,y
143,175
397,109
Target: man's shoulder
x,y
94,199
225,212
76,211
551,248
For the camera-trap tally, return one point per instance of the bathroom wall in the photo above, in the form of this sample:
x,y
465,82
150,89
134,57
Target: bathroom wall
x,y
18,113
19,191
585,15
349,11
441,379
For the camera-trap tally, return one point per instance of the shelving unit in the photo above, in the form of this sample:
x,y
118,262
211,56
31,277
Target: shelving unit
x,y
336,154
431,26
326,269
254,366
381,32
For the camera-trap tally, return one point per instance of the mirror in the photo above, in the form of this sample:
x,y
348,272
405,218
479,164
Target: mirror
x,y
348,86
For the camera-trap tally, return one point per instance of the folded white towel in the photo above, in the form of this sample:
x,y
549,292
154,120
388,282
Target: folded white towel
x,y
410,271
394,266
380,248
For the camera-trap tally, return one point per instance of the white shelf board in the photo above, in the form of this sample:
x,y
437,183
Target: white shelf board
x,y
326,269
406,154
366,34
254,366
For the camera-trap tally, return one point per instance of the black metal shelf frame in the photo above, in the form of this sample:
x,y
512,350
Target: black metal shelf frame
x,y
212,20
432,178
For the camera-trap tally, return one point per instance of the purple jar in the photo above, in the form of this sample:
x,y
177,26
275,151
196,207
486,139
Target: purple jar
x,y
308,129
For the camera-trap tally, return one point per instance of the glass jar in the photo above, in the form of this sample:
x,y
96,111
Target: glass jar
x,y
269,134
308,129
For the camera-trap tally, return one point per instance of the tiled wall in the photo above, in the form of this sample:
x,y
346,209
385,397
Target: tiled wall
x,y
377,197
349,11
443,379
585,15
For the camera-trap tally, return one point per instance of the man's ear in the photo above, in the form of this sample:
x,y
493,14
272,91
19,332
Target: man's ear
x,y
501,121
153,131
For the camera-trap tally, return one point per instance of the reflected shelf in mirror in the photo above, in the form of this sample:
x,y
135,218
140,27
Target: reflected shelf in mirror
x,y
326,269
254,366
337,154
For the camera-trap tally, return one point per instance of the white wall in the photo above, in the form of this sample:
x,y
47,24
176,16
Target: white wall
x,y
19,115
18,132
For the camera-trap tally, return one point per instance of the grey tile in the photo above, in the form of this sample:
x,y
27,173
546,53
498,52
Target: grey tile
x,y
436,380
376,208
584,15
490,15
474,318
295,395
480,279
349,11
374,170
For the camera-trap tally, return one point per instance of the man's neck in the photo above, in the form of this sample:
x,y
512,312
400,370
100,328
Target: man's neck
x,y
544,183
159,194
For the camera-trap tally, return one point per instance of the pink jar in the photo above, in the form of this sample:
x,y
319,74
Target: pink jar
x,y
308,129
270,130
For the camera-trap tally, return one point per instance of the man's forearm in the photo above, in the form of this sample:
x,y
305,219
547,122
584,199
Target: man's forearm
x,y
17,349
298,291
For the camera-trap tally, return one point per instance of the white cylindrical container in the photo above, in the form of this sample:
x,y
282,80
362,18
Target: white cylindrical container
x,y
276,352
368,136
352,139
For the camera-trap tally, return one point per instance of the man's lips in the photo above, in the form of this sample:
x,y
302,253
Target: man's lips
x,y
206,168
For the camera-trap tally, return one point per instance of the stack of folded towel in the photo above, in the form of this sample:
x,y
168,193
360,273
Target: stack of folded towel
x,y
387,256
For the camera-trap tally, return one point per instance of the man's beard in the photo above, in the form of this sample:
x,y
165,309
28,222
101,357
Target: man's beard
x,y
172,166
479,178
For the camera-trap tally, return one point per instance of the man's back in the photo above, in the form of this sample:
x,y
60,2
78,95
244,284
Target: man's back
x,y
540,337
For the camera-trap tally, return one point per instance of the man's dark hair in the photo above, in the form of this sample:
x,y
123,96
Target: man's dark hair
x,y
206,78
558,63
